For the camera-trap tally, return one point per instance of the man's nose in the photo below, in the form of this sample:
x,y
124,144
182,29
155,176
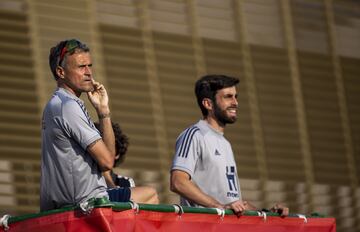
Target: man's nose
x,y
87,70
235,102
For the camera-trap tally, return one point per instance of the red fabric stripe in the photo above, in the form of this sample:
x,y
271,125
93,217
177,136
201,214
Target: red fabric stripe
x,y
107,220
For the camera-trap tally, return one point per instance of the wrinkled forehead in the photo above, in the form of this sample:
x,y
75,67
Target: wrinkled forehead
x,y
79,58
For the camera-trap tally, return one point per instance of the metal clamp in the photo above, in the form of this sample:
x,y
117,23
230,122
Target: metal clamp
x,y
4,221
87,206
220,212
262,214
135,206
178,209
303,217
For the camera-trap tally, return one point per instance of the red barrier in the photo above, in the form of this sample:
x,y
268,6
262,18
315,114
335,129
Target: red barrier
x,y
107,220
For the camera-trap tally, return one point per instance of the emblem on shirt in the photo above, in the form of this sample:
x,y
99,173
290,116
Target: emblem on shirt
x,y
230,175
217,152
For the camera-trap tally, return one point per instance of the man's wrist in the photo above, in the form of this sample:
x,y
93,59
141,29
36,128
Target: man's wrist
x,y
218,205
104,115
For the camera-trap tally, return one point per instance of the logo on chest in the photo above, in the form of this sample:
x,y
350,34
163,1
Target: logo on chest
x,y
230,175
217,153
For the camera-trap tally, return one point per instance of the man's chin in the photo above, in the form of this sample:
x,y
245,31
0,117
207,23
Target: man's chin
x,y
231,119
89,89
228,120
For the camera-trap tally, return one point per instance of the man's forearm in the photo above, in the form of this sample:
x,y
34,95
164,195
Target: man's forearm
x,y
107,130
192,192
109,181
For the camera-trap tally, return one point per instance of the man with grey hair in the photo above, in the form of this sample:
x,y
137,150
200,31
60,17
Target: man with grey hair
x,y
74,153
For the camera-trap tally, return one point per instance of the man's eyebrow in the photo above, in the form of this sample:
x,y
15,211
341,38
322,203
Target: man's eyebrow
x,y
84,65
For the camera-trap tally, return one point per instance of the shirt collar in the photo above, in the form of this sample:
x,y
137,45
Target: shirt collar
x,y
68,94
205,123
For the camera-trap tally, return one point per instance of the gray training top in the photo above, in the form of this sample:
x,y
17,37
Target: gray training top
x,y
69,175
207,157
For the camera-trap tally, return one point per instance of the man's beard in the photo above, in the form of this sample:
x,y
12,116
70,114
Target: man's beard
x,y
222,117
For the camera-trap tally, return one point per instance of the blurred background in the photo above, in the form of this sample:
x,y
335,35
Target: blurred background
x,y
297,139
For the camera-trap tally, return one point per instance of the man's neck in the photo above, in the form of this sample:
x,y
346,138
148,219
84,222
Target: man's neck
x,y
68,89
215,124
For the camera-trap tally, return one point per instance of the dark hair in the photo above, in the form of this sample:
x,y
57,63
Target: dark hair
x,y
62,50
121,142
207,87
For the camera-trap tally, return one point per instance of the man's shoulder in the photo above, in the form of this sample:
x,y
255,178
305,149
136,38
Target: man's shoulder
x,y
65,100
202,127
195,130
62,104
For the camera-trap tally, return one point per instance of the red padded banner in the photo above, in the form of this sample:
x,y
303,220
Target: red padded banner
x,y
107,220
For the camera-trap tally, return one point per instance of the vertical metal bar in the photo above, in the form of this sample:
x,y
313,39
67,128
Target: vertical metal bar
x,y
155,89
96,48
299,101
36,55
329,11
345,122
196,39
253,98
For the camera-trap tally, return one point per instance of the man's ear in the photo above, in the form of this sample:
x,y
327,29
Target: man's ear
x,y
207,103
60,72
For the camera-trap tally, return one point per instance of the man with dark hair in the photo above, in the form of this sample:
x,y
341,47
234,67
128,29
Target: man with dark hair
x,y
204,171
74,154
140,194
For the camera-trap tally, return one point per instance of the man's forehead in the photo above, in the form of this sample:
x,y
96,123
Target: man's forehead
x,y
227,90
80,57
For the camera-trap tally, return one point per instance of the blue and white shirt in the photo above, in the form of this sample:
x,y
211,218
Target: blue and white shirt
x,y
207,157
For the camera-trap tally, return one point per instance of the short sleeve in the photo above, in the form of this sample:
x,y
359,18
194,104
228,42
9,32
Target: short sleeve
x,y
78,125
187,150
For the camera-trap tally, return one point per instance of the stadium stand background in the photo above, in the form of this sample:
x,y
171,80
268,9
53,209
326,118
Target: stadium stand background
x,y
297,139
